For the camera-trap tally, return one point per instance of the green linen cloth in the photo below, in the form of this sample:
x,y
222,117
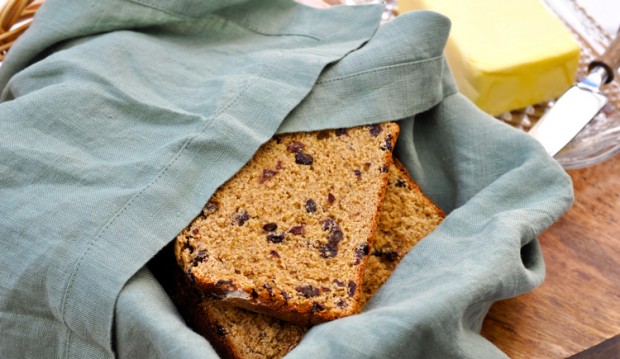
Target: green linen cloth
x,y
120,118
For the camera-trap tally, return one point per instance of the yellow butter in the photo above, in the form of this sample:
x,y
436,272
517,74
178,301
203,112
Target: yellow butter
x,y
505,54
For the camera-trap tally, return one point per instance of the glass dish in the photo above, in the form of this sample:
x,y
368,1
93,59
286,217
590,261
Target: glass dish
x,y
600,139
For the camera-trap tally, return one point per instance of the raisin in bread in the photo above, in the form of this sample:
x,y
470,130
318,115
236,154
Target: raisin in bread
x,y
289,234
406,217
235,333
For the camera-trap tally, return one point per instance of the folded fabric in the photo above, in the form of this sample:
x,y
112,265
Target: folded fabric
x,y
120,118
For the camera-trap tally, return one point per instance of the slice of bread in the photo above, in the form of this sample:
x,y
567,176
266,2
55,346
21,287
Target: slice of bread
x,y
289,234
235,333
406,217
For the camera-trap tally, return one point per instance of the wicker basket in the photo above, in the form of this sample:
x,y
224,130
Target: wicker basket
x,y
15,17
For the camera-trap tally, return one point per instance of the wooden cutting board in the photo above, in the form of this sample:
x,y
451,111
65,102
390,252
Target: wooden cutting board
x,y
577,308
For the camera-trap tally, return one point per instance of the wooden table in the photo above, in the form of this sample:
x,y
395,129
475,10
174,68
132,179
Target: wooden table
x,y
576,311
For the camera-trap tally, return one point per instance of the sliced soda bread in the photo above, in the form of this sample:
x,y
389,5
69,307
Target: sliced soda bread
x,y
289,234
405,218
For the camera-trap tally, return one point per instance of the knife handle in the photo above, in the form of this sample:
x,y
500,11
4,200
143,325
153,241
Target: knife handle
x,y
610,61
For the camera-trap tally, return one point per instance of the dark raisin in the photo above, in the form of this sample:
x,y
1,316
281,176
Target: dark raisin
x,y
335,236
352,288
307,291
303,159
270,227
400,183
387,143
358,173
386,254
279,165
360,252
220,330
297,230
322,135
310,206
331,198
325,289
285,295
329,250
241,218
341,303
210,207
222,282
195,231
200,257
295,146
375,130
267,175
316,307
328,224
384,169
275,237
342,132
254,294
275,254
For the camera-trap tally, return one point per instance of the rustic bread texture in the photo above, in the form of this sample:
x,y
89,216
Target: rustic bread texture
x,y
234,332
289,234
406,217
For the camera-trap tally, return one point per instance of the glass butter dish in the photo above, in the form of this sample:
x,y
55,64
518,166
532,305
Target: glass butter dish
x,y
600,139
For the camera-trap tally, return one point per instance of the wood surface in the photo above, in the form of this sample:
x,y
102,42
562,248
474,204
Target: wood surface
x,y
576,311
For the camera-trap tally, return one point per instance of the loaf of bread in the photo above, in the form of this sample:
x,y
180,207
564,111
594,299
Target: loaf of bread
x,y
406,217
289,234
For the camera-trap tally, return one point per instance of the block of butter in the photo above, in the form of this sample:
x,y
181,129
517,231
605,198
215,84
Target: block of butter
x,y
505,54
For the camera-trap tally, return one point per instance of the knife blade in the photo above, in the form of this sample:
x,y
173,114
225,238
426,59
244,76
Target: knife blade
x,y
579,105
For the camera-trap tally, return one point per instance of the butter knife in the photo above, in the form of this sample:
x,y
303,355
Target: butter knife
x,y
579,105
